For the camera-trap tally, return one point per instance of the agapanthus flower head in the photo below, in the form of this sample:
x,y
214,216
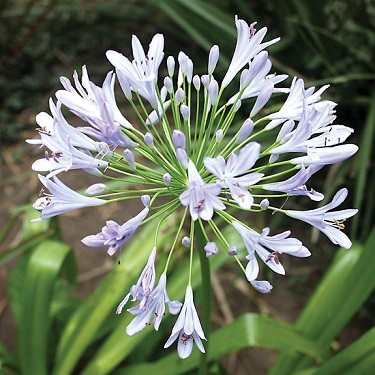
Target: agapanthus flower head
x,y
191,154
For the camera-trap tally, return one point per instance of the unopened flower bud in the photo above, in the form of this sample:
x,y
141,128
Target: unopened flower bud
x,y
211,249
178,139
145,200
213,58
168,84
245,79
129,156
197,82
237,106
170,65
246,129
286,128
219,135
189,70
182,157
205,79
182,60
186,241
167,178
185,111
262,98
96,189
233,250
163,93
125,84
273,158
149,140
213,91
264,204
179,96
262,286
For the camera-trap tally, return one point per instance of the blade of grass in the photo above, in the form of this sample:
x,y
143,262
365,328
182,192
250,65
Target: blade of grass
x,y
43,269
364,159
358,358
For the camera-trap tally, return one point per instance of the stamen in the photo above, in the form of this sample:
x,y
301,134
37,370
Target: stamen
x,y
200,206
273,256
339,224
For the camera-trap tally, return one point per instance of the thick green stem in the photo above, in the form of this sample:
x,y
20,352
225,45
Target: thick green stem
x,y
206,289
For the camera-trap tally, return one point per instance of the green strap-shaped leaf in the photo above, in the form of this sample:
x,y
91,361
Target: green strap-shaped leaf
x,y
248,330
358,358
345,287
43,269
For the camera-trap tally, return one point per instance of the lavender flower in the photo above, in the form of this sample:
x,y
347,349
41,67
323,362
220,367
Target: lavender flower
x,y
257,243
151,309
115,235
295,185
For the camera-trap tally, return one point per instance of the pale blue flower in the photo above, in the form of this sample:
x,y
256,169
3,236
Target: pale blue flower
x,y
249,44
326,155
61,199
232,174
330,223
115,235
152,310
65,158
144,286
268,248
296,185
202,198
256,78
55,132
187,328
87,99
143,70
107,129
294,104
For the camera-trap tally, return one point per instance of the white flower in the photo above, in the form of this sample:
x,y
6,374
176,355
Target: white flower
x,y
232,174
201,197
249,44
330,223
294,104
256,243
87,99
143,70
62,199
187,328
